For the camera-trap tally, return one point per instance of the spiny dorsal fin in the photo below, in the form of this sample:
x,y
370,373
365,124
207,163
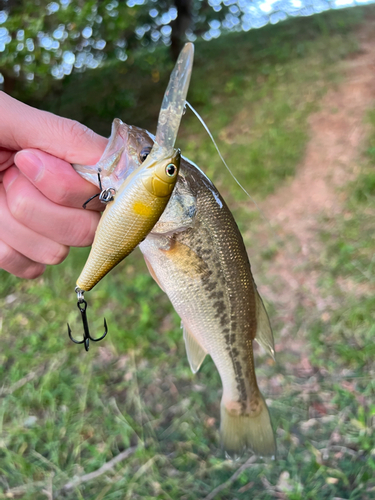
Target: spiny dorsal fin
x,y
195,352
264,335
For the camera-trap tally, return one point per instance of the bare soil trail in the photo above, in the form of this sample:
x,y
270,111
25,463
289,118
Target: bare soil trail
x,y
333,153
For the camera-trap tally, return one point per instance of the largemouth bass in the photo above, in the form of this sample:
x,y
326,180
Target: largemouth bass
x,y
136,200
196,254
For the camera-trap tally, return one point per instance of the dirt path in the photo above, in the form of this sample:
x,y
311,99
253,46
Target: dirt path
x,y
337,133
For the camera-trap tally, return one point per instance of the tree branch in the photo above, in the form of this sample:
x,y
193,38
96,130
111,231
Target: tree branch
x,y
102,470
231,480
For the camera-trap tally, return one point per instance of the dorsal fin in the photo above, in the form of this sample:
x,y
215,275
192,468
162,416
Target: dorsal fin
x,y
195,352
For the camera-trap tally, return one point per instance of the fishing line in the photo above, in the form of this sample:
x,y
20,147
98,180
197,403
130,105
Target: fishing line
x,y
222,159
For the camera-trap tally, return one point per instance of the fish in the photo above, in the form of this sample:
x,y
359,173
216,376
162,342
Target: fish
x,y
196,254
135,201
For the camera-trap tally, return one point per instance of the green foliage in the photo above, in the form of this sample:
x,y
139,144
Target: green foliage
x,y
38,45
64,413
51,38
365,184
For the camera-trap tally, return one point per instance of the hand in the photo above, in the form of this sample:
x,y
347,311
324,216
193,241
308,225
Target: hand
x,y
40,194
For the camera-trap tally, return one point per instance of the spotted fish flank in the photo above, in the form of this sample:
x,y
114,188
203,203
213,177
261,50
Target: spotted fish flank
x,y
195,252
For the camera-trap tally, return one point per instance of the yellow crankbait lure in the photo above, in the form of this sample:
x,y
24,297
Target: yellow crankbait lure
x,y
136,202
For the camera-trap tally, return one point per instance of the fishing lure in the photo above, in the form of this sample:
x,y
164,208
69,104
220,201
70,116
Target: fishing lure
x,y
134,202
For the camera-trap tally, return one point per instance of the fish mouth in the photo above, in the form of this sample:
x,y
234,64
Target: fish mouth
x,y
120,157
116,162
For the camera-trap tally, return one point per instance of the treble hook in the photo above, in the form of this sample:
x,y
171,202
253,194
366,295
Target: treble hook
x,y
82,306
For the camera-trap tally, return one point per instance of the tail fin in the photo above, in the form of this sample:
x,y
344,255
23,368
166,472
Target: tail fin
x,y
241,432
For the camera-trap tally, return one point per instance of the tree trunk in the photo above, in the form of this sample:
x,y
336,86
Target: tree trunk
x,y
9,83
180,25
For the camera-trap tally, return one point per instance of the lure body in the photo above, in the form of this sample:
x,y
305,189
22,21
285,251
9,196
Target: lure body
x,y
129,218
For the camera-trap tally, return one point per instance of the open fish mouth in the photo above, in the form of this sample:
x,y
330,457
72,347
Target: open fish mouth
x,y
114,165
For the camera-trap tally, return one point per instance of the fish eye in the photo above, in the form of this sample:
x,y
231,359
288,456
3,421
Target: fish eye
x,y
171,170
144,153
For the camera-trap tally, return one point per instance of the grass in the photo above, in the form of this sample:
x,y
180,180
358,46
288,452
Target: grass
x,y
65,413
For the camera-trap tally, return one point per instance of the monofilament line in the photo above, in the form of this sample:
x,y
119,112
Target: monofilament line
x,y
222,159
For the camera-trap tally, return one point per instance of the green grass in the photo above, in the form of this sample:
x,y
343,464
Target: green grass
x,y
64,413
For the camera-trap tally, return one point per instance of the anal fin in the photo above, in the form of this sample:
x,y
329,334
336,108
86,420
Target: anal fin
x,y
264,335
195,352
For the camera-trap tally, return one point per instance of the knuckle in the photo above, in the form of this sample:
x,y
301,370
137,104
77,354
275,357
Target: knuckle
x,y
56,255
62,195
33,271
17,264
19,207
78,131
7,256
6,159
87,230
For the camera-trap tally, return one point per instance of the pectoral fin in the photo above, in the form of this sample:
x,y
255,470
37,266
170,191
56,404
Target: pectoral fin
x,y
195,352
186,260
264,335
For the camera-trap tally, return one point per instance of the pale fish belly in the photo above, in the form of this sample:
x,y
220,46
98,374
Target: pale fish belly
x,y
245,422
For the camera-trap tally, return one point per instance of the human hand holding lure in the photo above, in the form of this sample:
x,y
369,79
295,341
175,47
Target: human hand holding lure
x,y
40,194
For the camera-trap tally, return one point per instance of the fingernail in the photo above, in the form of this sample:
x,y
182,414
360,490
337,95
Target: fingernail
x,y
30,165
10,176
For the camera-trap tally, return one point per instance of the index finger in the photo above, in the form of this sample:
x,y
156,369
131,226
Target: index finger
x,y
55,178
22,126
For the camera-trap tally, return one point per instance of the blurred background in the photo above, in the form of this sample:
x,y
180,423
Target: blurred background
x,y
288,92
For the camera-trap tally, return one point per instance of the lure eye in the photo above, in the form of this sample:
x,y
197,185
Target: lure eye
x,y
171,170
144,153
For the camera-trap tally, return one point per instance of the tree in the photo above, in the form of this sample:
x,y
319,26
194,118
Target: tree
x,y
45,40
